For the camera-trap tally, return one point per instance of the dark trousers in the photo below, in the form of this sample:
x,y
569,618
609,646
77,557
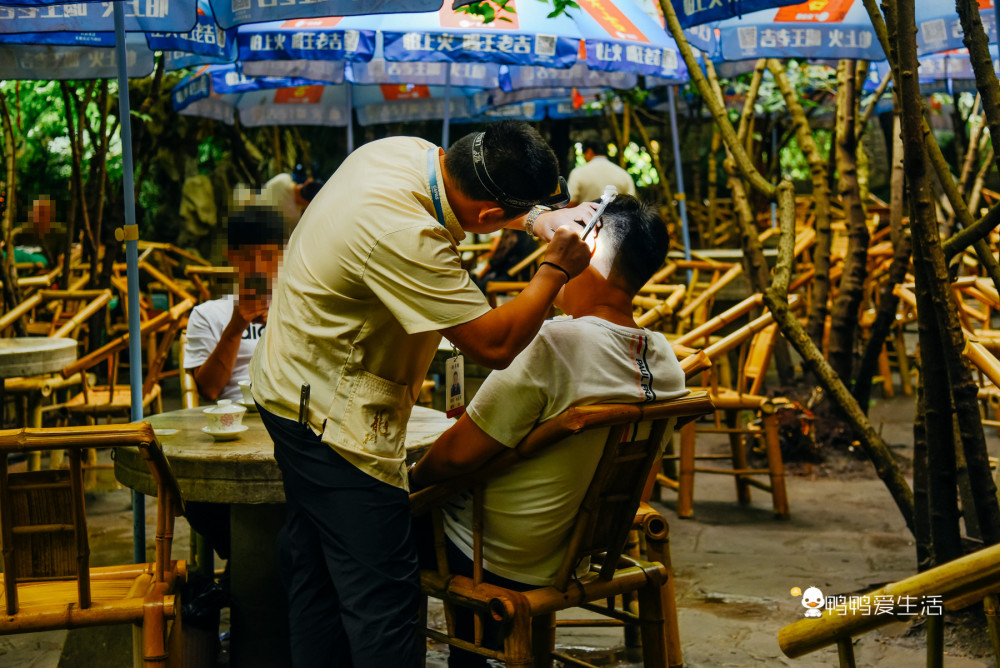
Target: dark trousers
x,y
347,558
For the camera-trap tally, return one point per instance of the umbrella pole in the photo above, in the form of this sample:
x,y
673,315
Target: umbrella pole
x,y
350,119
679,193
446,127
131,238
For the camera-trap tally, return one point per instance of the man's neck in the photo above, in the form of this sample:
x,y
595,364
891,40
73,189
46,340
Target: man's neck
x,y
615,307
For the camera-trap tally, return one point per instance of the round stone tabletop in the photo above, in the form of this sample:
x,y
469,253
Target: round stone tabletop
x,y
238,471
34,355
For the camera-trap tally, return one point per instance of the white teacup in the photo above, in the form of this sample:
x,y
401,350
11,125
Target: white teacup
x,y
225,416
247,394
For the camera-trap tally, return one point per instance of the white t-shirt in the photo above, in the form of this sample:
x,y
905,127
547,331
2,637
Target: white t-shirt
x,y
205,326
530,508
279,193
587,182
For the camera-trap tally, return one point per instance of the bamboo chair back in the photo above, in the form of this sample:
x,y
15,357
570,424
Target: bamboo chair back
x,y
57,313
161,331
189,389
635,440
43,525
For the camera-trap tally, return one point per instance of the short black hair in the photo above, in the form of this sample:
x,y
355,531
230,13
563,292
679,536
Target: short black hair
x,y
255,225
639,235
595,145
518,160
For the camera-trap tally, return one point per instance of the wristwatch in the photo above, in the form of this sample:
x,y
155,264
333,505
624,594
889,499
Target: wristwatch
x,y
529,223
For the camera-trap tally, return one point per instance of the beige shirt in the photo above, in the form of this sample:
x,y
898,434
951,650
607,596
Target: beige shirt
x,y
587,182
369,278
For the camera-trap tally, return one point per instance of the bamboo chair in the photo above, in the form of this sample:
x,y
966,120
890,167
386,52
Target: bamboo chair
x,y
47,580
755,341
207,279
951,586
115,398
607,515
56,314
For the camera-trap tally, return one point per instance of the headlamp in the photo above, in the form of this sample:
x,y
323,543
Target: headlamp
x,y
556,200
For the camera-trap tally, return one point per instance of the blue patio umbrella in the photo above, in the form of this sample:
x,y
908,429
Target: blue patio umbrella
x,y
828,29
614,37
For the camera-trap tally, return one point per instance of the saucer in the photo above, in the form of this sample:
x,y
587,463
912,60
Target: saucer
x,y
250,406
164,434
226,435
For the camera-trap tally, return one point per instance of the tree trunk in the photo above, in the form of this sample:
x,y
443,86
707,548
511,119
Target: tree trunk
x,y
776,299
844,318
954,391
821,195
11,293
921,497
713,189
885,318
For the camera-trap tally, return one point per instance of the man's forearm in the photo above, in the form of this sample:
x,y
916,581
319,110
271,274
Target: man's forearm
x,y
503,332
214,374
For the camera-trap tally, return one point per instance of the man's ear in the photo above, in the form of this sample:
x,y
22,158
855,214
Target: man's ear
x,y
492,216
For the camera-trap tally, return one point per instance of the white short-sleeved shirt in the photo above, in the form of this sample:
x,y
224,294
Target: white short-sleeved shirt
x,y
205,326
529,509
587,182
369,277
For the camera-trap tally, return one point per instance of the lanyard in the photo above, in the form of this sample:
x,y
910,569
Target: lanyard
x,y
435,191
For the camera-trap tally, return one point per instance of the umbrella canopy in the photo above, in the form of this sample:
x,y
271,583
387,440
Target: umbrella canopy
x,y
614,35
219,91
697,12
53,61
829,29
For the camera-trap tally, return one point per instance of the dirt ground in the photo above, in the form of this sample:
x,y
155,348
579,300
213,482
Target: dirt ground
x,y
735,567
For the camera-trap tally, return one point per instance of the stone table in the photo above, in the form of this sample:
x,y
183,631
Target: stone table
x,y
244,474
26,356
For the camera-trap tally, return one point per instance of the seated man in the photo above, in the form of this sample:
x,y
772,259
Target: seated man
x,y
223,333
597,354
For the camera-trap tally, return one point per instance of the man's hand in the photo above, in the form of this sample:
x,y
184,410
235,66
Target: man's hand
x,y
568,250
249,308
576,217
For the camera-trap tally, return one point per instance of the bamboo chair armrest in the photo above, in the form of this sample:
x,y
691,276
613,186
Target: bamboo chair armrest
x,y
651,521
138,435
431,497
526,262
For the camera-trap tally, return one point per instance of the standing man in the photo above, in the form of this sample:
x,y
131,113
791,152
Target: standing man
x,y
372,279
587,182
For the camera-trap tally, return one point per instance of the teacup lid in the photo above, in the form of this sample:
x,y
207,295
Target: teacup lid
x,y
225,406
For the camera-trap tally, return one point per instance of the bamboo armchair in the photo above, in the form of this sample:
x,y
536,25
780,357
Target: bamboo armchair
x,y
206,279
756,341
47,580
606,516
951,586
114,399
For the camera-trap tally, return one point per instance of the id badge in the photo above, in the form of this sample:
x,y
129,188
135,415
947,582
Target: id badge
x,y
455,379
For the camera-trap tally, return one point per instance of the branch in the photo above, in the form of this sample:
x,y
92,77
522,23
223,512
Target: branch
x,y
715,105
